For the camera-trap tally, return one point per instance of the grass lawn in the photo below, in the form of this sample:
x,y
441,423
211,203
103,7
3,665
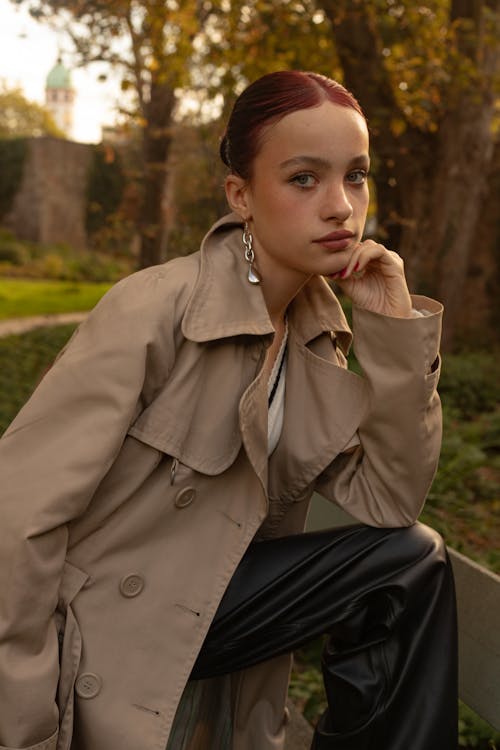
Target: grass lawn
x,y
26,297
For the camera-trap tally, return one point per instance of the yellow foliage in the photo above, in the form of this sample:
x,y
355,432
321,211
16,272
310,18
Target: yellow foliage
x,y
397,126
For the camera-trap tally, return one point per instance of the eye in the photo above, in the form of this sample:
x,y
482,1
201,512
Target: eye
x,y
303,180
357,177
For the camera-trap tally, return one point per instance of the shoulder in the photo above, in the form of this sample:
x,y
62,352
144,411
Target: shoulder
x,y
154,294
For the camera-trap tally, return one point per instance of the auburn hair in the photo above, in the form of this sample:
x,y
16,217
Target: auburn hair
x,y
267,100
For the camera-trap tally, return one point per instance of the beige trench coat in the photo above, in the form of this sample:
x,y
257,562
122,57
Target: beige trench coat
x,y
137,474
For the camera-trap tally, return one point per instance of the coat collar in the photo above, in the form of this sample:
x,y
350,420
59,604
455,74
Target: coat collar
x,y
224,304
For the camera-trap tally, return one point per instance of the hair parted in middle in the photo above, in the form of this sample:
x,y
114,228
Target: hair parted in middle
x,y
267,100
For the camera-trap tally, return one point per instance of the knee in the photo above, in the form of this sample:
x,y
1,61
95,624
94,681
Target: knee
x,y
426,542
422,544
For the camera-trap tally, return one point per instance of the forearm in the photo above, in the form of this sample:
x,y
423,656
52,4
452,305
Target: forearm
x,y
384,481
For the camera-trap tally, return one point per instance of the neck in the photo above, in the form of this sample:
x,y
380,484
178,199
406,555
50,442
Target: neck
x,y
278,294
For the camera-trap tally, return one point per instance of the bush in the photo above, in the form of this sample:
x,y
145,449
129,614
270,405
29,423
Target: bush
x,y
95,267
12,157
52,266
105,186
464,498
470,382
466,448
23,361
59,261
12,251
474,732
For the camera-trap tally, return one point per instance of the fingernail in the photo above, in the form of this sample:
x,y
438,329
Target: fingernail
x,y
356,267
343,273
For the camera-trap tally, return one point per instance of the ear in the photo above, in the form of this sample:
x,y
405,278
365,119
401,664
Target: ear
x,y
237,194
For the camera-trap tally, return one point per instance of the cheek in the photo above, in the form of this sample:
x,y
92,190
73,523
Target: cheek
x,y
279,210
296,203
361,199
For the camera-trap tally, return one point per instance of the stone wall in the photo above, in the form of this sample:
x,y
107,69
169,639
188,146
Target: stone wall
x,y
50,204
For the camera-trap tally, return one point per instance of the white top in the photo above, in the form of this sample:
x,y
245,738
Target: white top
x,y
276,396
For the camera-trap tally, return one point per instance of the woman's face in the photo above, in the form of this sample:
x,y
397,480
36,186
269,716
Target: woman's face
x,y
307,199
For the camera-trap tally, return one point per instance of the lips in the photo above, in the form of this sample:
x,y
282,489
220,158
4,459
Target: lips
x,y
338,240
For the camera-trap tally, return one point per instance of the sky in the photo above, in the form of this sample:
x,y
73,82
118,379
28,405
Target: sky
x,y
28,51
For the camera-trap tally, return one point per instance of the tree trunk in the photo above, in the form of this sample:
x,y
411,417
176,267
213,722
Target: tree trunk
x,y
403,203
156,144
442,206
459,188
478,318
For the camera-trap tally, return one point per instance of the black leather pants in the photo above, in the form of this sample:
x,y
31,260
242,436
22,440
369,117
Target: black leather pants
x,y
386,599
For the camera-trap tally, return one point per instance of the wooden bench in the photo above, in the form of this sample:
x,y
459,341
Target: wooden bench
x,y
478,599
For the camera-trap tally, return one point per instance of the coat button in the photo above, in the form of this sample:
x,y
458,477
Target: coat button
x,y
88,685
131,585
185,497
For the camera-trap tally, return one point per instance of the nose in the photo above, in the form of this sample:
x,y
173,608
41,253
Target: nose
x,y
336,205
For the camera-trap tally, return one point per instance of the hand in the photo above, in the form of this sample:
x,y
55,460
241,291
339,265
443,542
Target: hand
x,y
374,279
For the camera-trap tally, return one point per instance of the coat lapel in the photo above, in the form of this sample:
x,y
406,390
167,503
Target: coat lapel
x,y
324,402
223,304
253,425
324,405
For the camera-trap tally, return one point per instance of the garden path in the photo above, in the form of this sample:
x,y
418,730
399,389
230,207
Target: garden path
x,y
21,325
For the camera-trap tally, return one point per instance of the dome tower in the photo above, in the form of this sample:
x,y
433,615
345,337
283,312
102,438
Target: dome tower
x,y
60,96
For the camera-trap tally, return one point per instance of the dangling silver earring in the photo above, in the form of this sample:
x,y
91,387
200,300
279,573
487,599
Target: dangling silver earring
x,y
253,275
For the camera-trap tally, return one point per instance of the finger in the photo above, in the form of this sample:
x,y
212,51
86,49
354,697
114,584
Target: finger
x,y
352,262
363,255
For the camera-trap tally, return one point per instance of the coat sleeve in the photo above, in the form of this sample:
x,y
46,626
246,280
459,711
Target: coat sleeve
x,y
52,458
384,475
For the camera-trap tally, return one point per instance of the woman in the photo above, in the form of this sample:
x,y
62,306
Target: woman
x,y
184,429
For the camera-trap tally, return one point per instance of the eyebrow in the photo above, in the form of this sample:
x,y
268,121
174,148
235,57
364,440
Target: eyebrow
x,y
317,161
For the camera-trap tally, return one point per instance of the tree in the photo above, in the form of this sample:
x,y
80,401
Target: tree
x,y
20,118
150,42
196,197
426,76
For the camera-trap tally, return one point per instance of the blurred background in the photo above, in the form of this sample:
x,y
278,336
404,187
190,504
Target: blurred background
x,y
110,120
